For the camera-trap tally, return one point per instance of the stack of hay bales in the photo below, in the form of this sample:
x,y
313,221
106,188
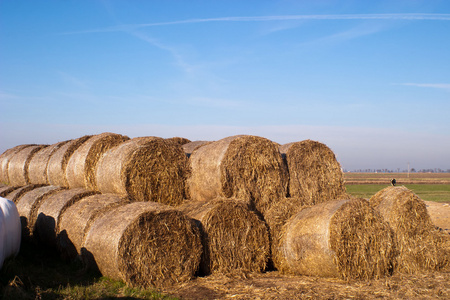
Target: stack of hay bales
x,y
420,246
178,140
47,216
339,238
80,170
144,244
10,233
315,176
57,164
5,157
244,167
190,147
76,220
145,169
37,168
17,192
18,165
235,240
28,202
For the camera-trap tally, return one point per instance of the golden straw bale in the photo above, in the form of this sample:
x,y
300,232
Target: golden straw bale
x,y
144,244
244,167
47,215
178,140
57,164
315,175
420,245
6,189
80,170
235,240
145,169
27,204
188,148
76,220
37,168
18,165
276,216
339,238
17,192
4,161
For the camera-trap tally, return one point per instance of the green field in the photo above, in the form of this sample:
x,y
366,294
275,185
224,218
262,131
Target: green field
x,y
428,192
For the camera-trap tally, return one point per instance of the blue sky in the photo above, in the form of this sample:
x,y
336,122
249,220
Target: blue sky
x,y
371,79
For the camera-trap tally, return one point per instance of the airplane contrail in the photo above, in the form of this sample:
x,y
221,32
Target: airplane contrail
x,y
409,16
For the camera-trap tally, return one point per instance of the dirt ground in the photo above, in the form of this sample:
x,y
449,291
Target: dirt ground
x,y
273,285
440,214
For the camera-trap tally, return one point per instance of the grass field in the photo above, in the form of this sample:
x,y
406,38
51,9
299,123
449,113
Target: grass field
x,y
427,192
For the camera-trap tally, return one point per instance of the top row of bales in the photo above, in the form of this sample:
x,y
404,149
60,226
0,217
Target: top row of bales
x,y
146,169
244,167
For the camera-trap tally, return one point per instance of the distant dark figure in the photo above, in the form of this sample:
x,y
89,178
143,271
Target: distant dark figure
x,y
393,181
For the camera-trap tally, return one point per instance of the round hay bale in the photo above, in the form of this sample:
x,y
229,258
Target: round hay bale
x,y
27,204
242,167
6,189
37,168
57,164
17,192
49,212
18,165
190,147
4,161
315,176
80,170
145,169
76,220
420,246
235,240
276,216
178,140
340,238
144,244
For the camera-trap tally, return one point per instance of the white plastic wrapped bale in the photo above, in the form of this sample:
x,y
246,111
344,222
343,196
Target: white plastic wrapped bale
x,y
10,230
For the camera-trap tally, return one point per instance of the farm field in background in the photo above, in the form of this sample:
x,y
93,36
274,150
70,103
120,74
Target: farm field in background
x,y
428,186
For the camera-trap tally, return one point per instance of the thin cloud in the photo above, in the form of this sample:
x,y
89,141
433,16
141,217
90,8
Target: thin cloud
x,y
445,86
412,17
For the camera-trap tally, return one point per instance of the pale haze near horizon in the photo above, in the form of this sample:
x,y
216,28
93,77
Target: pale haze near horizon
x,y
371,81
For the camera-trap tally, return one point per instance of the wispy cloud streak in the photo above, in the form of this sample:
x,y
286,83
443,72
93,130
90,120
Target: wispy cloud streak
x,y
445,86
412,17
